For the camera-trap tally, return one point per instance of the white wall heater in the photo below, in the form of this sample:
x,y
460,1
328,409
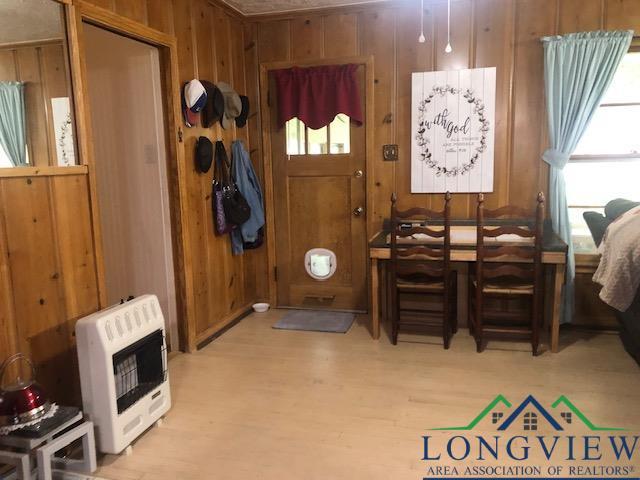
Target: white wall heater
x,y
123,370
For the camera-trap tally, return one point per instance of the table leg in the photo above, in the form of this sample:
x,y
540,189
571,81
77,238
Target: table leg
x,y
374,306
557,306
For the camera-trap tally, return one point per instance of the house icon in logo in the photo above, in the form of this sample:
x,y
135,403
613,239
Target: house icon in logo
x,y
529,415
531,411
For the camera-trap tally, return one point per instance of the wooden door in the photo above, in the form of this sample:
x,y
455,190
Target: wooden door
x,y
319,200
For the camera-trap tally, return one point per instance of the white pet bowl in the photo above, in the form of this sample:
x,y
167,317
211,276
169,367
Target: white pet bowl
x,y
260,307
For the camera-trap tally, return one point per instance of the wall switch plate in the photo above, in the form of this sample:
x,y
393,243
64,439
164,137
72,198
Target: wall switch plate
x,y
390,153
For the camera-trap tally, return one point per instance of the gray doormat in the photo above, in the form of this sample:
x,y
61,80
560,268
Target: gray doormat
x,y
316,321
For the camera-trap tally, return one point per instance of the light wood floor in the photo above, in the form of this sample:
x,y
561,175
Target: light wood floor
x,y
271,404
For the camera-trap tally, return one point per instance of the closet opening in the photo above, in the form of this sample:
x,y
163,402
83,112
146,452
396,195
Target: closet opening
x,y
126,96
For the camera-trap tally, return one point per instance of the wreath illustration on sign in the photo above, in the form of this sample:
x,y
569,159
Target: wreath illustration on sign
x,y
423,142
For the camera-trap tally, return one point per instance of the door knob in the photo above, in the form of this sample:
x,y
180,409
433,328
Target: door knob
x,y
358,173
358,211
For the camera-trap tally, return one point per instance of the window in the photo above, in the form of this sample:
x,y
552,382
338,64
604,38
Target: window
x,y
496,416
334,139
606,163
530,421
4,159
568,417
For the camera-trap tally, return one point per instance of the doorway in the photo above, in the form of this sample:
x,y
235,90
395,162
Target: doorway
x,y
319,202
124,86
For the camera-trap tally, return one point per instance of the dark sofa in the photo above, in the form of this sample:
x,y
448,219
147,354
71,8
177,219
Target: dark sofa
x,y
629,320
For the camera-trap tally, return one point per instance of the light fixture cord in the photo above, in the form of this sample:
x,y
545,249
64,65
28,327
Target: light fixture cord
x,y
421,38
449,22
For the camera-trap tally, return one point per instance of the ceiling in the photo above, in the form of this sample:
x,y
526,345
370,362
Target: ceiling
x,y
260,7
29,20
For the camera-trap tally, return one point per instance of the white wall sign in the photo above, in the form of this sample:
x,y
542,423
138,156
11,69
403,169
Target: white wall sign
x,y
63,128
452,130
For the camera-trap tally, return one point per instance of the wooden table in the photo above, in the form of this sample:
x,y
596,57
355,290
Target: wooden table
x,y
554,253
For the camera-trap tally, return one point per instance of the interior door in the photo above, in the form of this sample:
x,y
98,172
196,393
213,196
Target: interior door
x,y
319,199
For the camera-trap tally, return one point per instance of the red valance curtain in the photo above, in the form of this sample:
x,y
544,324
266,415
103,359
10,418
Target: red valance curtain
x,y
317,94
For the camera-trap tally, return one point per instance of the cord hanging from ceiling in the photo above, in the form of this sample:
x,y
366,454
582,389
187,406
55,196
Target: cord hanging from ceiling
x,y
448,48
421,38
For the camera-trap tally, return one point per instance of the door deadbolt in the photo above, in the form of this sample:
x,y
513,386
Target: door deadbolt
x,y
358,173
358,211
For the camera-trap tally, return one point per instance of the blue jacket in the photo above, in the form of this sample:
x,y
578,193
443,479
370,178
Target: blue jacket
x,y
249,185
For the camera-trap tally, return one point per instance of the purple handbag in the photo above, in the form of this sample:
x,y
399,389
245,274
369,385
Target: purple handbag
x,y
220,183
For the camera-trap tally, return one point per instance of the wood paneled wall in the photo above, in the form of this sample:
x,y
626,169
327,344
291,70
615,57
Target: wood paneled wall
x,y
43,67
211,46
47,257
47,274
500,33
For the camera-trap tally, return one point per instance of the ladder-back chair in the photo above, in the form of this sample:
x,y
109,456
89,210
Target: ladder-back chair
x,y
508,270
422,266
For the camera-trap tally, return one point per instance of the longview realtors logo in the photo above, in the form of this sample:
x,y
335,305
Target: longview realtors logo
x,y
549,442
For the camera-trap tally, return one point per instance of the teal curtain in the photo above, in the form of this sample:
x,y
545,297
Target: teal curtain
x,y
578,69
13,138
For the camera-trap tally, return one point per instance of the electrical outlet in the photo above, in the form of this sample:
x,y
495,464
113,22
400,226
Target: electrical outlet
x,y
390,153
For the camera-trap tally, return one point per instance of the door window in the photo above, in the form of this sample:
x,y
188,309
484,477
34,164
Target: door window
x,y
334,139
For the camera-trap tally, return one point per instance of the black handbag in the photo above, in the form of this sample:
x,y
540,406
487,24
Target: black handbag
x,y
236,208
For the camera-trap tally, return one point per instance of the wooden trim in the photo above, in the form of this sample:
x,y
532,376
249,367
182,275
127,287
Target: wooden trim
x,y
227,320
268,180
167,44
367,61
228,9
85,138
180,212
32,43
315,11
587,262
44,171
122,25
605,157
469,255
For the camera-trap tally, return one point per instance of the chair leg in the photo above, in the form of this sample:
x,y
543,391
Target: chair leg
x,y
396,317
446,317
535,325
454,304
446,331
470,303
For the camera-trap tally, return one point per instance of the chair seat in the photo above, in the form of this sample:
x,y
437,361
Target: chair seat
x,y
506,288
427,286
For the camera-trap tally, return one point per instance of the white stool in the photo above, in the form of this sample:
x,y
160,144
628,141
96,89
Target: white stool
x,y
21,461
45,447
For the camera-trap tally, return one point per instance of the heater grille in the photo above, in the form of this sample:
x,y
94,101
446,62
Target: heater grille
x,y
138,369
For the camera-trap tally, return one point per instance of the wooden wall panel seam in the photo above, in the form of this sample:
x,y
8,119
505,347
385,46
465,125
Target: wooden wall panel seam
x,y
11,325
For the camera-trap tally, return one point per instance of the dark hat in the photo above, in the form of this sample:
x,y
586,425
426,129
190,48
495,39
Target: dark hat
x,y
204,154
241,120
214,108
